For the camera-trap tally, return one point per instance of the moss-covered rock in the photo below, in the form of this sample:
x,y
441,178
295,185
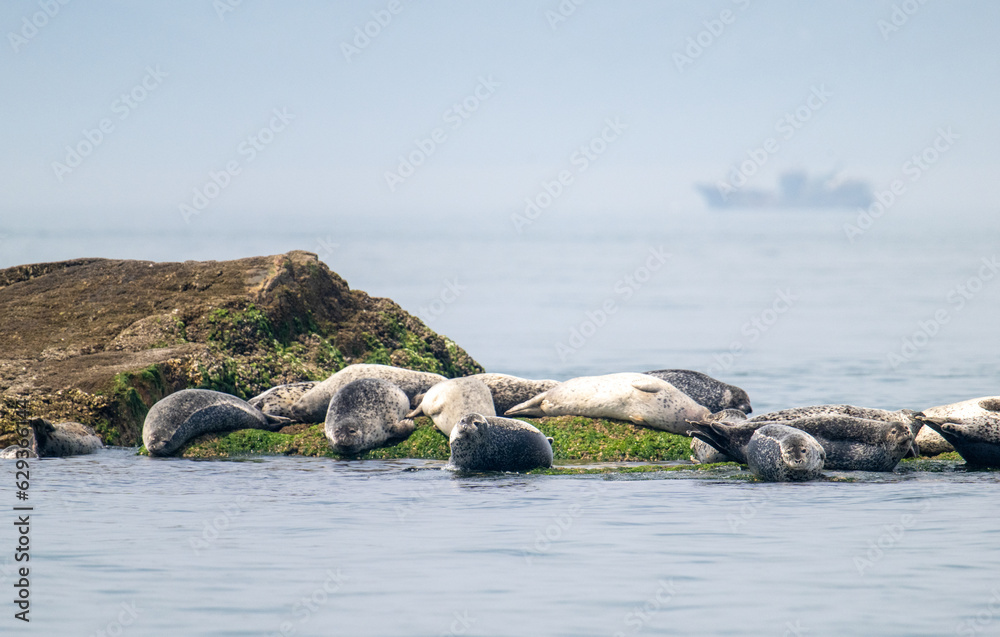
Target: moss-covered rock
x,y
99,340
574,439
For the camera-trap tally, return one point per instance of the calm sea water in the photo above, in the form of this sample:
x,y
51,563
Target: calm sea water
x,y
783,305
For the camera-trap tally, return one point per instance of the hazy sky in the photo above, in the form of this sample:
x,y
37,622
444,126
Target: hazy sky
x,y
182,89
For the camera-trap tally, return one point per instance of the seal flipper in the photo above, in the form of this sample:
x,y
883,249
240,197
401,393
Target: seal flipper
x,y
402,428
418,411
531,407
719,436
650,386
278,421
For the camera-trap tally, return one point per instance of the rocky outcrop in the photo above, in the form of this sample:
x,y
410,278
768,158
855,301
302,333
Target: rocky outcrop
x,y
99,341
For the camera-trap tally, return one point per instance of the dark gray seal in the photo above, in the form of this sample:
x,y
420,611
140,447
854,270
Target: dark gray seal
x,y
365,414
905,416
705,390
972,427
278,401
63,439
491,443
509,390
189,413
851,444
704,453
779,453
446,402
312,406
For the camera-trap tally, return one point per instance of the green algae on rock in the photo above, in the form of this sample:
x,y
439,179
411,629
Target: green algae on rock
x,y
100,340
574,438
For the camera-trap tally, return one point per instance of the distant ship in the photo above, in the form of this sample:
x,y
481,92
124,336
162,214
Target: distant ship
x,y
796,190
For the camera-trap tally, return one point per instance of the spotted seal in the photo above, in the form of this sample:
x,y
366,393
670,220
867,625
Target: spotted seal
x,y
17,452
313,405
638,398
972,427
491,443
189,413
851,444
278,401
510,390
365,414
705,390
446,402
704,453
779,453
905,416
61,439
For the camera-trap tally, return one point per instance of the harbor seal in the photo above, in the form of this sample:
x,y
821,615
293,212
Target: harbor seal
x,y
17,452
491,443
638,398
510,390
278,401
189,413
851,444
365,414
905,416
931,443
704,453
312,406
705,390
63,439
779,453
446,402
972,427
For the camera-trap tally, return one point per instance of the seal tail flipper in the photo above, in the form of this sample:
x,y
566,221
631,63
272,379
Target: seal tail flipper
x,y
932,422
419,411
416,400
532,407
402,428
713,434
278,421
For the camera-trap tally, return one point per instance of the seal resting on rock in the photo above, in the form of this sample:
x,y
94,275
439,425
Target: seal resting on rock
x,y
446,402
365,414
704,453
278,401
851,444
713,394
972,427
779,453
510,390
312,406
189,413
906,416
491,443
638,398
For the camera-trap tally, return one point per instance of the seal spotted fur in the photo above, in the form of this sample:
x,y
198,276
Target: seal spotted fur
x,y
366,414
313,405
638,398
491,443
779,453
446,402
713,394
972,427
